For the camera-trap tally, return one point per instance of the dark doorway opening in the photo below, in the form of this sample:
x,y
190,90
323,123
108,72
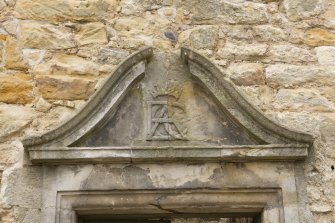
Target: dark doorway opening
x,y
170,219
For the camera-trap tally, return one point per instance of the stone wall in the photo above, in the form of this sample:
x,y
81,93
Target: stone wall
x,y
54,54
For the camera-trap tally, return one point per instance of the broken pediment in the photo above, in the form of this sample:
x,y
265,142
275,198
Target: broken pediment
x,y
158,106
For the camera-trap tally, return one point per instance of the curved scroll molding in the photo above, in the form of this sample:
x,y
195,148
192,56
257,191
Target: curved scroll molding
x,y
224,91
276,142
104,101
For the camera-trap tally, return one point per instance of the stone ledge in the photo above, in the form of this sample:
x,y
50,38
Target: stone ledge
x,y
148,154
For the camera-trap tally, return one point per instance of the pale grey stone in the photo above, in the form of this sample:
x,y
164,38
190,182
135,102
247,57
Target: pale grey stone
x,y
32,216
11,26
321,208
293,75
269,33
300,9
325,55
111,56
214,11
134,7
242,50
290,54
238,32
204,37
23,187
302,99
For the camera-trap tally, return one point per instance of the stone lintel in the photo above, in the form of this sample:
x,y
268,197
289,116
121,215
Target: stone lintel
x,y
149,154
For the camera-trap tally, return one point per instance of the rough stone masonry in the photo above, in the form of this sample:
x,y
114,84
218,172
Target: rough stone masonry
x,y
54,54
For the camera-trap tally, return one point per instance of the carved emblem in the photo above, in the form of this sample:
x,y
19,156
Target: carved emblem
x,y
165,115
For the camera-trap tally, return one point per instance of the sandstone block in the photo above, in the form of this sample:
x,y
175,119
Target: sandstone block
x,y
65,88
200,38
63,64
302,99
39,35
2,47
325,55
246,74
300,9
16,89
91,33
293,75
59,10
241,51
319,37
214,11
14,56
290,54
13,122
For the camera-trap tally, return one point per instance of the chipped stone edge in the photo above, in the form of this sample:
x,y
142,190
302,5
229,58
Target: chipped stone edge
x,y
165,154
244,105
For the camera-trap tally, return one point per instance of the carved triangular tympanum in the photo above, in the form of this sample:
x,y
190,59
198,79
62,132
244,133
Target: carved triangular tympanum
x,y
159,107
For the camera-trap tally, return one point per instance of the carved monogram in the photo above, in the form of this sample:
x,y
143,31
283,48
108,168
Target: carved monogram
x,y
162,124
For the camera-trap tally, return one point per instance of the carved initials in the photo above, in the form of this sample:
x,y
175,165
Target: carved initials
x,y
160,125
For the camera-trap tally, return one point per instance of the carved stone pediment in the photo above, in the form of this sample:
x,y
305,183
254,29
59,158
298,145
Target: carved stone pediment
x,y
159,107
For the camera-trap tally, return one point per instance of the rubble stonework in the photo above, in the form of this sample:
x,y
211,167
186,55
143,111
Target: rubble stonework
x,y
54,54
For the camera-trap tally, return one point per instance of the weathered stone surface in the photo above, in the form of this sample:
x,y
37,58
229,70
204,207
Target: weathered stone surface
x,y
65,88
300,9
302,99
238,32
59,10
42,105
91,33
2,4
241,50
9,154
269,33
325,55
290,54
247,74
40,35
224,11
16,89
13,122
24,187
14,56
167,13
134,7
11,26
34,56
63,64
292,75
2,51
111,56
204,37
320,37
